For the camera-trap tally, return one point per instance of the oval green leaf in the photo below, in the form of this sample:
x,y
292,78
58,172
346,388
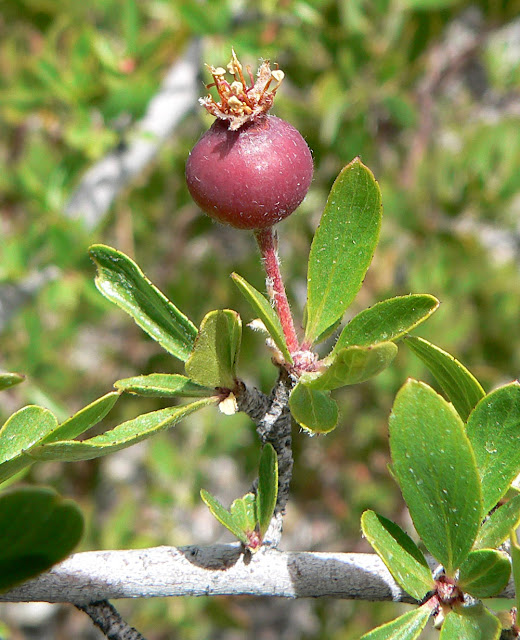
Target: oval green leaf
x,y
243,510
435,465
494,432
387,320
352,365
313,410
37,530
343,247
267,491
8,380
223,516
122,282
470,623
213,360
484,573
400,554
84,419
24,429
406,627
163,385
499,524
265,312
120,437
462,388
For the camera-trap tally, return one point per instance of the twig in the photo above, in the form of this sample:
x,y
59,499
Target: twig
x,y
110,622
273,424
105,180
214,570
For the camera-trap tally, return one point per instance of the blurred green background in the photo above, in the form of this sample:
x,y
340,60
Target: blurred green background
x,y
427,92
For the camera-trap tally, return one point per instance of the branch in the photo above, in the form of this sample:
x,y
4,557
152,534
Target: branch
x,y
105,180
273,422
107,619
210,571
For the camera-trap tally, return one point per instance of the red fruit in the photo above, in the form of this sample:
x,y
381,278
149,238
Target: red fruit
x,y
249,170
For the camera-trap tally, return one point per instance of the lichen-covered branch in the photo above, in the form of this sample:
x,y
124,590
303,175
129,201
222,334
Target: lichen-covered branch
x,y
273,422
94,576
108,620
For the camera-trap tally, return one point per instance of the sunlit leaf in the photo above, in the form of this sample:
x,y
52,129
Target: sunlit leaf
x,y
243,511
23,430
266,313
460,385
163,385
267,491
470,623
499,524
352,365
435,465
313,410
484,573
400,554
387,320
343,247
120,437
494,432
213,360
10,379
223,516
84,419
121,281
405,627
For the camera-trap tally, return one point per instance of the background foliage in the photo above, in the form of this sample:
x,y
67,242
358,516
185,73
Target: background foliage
x,y
427,92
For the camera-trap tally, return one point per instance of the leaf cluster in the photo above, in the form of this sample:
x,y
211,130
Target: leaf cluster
x,y
454,461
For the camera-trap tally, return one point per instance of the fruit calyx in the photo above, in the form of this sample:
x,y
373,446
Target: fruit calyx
x,y
240,103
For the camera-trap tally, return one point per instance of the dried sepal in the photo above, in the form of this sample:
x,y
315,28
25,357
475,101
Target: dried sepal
x,y
240,102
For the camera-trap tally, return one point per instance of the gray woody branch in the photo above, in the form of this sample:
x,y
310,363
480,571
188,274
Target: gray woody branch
x,y
105,180
210,571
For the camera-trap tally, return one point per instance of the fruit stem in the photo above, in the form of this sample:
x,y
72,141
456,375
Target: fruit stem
x,y
267,243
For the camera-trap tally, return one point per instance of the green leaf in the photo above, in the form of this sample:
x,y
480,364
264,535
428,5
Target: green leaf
x,y
243,510
313,410
267,491
499,524
494,432
84,419
470,623
223,516
10,379
434,463
352,365
484,573
37,530
23,430
515,562
400,554
163,385
405,627
343,247
122,436
265,312
461,386
121,281
387,320
213,360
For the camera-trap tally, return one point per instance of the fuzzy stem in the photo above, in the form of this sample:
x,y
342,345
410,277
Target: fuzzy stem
x,y
275,287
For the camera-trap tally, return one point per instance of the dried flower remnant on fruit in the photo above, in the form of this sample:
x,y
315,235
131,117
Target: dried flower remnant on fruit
x,y
240,103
